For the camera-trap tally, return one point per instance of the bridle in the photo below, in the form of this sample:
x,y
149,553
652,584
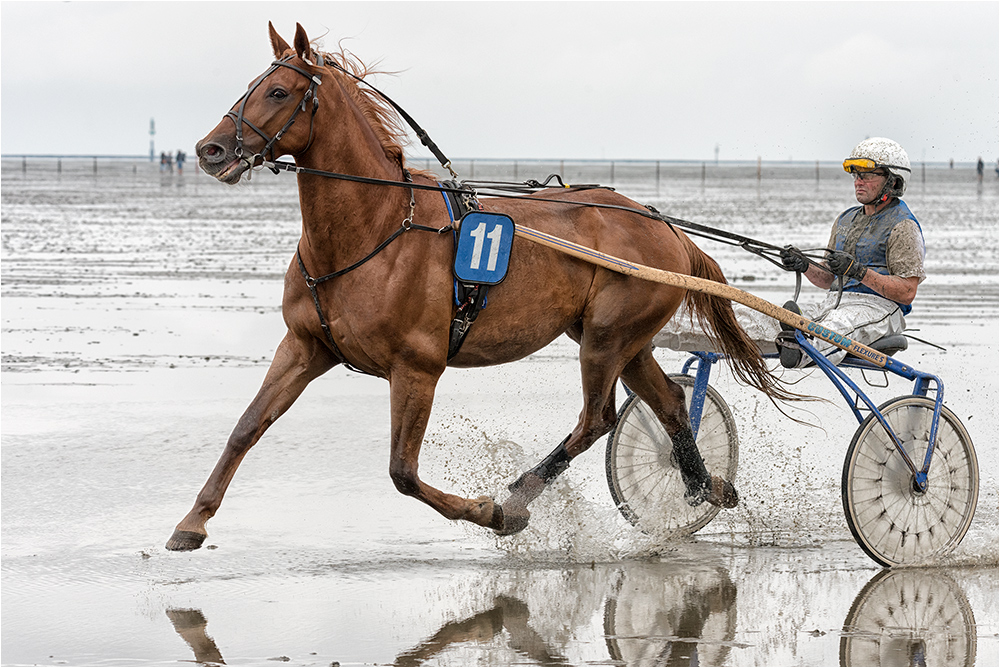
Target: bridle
x,y
239,120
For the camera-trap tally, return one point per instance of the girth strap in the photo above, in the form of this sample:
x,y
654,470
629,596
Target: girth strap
x,y
469,297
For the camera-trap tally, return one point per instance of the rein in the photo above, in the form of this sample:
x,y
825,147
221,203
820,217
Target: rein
x,y
497,189
761,248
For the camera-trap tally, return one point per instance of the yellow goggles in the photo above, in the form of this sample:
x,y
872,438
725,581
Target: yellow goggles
x,y
852,165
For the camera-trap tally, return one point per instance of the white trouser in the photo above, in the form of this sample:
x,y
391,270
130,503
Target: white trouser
x,y
864,318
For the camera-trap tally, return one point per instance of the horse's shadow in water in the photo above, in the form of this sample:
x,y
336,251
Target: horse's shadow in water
x,y
391,315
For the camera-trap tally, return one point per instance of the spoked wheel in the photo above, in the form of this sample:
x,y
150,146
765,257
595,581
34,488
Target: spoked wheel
x,y
644,479
893,522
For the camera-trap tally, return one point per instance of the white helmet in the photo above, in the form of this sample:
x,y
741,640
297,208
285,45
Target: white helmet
x,y
879,152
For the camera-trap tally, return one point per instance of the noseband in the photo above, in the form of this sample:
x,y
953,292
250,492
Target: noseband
x,y
239,120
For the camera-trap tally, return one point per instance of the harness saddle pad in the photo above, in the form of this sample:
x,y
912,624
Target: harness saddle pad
x,y
484,242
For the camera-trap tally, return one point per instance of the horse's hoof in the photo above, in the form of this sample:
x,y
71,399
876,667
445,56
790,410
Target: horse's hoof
x,y
722,493
185,541
513,522
718,492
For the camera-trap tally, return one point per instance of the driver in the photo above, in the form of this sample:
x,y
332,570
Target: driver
x,y
876,250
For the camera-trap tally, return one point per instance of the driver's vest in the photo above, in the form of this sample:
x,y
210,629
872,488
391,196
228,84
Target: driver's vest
x,y
867,238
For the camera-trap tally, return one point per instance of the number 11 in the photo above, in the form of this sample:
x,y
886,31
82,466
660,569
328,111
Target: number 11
x,y
477,251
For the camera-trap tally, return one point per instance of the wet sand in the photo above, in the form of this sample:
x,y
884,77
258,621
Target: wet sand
x,y
139,315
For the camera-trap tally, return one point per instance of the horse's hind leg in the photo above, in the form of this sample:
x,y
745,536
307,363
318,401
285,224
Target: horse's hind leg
x,y
296,363
666,398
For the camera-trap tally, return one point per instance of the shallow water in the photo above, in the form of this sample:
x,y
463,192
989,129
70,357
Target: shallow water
x,y
140,311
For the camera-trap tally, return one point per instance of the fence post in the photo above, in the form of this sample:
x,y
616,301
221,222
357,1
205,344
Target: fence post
x,y
95,164
817,171
24,164
758,169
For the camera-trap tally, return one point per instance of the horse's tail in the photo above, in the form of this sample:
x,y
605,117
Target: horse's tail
x,y
716,317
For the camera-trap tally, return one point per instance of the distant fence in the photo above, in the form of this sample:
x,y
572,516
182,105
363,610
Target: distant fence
x,y
606,171
611,171
47,161
23,165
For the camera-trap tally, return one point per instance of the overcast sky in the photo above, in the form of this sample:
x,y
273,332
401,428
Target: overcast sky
x,y
612,80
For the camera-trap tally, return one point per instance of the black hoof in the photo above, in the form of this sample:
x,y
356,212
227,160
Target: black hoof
x,y
722,493
185,541
718,492
514,521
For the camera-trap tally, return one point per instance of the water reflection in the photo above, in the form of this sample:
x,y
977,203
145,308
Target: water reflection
x,y
670,618
510,614
909,618
655,614
676,613
190,625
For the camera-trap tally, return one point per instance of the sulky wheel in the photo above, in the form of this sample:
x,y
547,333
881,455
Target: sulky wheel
x,y
894,522
645,481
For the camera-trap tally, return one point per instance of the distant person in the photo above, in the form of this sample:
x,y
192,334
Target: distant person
x,y
979,168
877,249
163,161
181,157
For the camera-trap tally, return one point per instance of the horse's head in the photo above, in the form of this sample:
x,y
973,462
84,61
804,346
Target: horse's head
x,y
273,118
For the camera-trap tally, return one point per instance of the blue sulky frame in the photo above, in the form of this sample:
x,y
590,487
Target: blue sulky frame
x,y
922,385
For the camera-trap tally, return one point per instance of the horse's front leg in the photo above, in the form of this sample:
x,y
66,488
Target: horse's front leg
x,y
411,396
598,364
296,363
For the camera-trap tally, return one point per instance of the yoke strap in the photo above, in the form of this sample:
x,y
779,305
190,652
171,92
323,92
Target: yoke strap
x,y
312,283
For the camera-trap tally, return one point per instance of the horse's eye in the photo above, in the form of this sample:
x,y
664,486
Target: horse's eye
x,y
279,94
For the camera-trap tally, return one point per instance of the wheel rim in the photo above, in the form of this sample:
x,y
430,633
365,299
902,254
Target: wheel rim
x,y
644,479
894,523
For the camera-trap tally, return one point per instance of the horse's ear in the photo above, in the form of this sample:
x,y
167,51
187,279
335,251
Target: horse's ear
x,y
302,47
277,43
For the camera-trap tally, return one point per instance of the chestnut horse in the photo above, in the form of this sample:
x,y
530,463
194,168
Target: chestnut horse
x,y
390,316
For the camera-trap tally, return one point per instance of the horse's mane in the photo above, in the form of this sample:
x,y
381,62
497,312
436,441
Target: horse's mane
x,y
381,116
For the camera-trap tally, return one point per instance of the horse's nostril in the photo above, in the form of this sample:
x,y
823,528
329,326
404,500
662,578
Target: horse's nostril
x,y
211,152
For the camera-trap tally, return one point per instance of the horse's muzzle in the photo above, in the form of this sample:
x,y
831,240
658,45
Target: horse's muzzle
x,y
219,161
